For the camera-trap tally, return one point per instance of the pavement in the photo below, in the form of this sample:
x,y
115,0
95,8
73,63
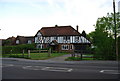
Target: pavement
x,y
61,59
19,68
57,68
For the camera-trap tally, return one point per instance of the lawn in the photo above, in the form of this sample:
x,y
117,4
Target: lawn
x,y
35,56
43,56
84,57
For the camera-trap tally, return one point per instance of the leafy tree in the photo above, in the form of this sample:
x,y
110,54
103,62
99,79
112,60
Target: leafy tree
x,y
103,37
83,33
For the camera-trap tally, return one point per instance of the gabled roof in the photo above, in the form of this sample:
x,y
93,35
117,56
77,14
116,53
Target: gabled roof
x,y
58,31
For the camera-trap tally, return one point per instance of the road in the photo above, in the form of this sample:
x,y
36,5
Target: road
x,y
15,69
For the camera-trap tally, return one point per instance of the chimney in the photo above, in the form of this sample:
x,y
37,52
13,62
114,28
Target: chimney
x,y
56,25
77,27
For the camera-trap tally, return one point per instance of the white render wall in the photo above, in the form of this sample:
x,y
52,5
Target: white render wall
x,y
60,40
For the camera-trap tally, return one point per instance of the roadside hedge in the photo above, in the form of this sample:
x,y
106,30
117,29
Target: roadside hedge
x,y
17,48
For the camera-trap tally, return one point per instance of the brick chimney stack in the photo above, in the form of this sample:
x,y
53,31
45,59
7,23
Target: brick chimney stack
x,y
77,28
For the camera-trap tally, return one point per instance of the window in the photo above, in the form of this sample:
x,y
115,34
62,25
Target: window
x,y
48,39
77,39
40,39
71,47
17,41
40,46
66,38
65,47
39,34
29,42
55,38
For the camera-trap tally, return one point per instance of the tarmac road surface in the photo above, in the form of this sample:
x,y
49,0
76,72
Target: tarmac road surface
x,y
32,69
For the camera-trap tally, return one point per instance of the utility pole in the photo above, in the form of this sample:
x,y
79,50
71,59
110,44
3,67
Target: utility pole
x,y
116,51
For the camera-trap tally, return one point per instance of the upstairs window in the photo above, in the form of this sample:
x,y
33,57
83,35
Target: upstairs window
x,y
39,34
17,41
77,39
66,38
48,39
55,38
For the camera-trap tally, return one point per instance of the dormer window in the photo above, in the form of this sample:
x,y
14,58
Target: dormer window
x,y
39,34
17,41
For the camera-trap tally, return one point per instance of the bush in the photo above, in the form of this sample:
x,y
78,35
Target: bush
x,y
73,59
17,48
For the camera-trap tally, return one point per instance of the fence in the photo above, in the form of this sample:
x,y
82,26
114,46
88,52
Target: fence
x,y
27,54
40,51
82,53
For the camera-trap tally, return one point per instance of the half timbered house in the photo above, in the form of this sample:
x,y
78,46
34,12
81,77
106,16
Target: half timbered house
x,y
60,38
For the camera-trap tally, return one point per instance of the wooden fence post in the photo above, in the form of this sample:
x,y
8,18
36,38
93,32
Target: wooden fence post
x,y
73,54
81,54
49,52
39,51
11,52
28,53
23,53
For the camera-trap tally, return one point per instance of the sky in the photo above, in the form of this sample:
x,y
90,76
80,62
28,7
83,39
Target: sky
x,y
119,6
26,17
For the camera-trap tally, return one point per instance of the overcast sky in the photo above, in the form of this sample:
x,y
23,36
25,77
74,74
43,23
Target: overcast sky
x,y
26,17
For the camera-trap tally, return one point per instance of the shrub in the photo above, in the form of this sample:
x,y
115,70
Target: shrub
x,y
17,48
73,59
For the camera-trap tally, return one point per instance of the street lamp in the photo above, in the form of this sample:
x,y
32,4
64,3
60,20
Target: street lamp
x,y
116,51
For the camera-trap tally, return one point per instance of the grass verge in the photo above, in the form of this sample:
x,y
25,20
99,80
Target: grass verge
x,y
35,56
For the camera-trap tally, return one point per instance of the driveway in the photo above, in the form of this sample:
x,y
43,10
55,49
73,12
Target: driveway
x,y
60,58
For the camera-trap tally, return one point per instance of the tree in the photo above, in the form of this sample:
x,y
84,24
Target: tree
x,y
103,37
84,33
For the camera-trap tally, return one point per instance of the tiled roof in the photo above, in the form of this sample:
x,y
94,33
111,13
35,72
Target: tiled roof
x,y
58,31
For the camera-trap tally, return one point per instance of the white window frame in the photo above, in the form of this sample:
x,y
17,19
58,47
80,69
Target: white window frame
x,y
65,47
17,42
77,39
71,47
29,42
47,39
56,38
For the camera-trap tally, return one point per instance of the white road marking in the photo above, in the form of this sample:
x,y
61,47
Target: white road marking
x,y
32,67
28,66
48,68
57,69
70,70
7,65
110,71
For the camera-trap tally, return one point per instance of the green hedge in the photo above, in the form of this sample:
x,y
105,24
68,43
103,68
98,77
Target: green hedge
x,y
73,59
17,48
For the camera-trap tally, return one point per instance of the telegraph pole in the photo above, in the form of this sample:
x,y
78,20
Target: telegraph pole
x,y
116,51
